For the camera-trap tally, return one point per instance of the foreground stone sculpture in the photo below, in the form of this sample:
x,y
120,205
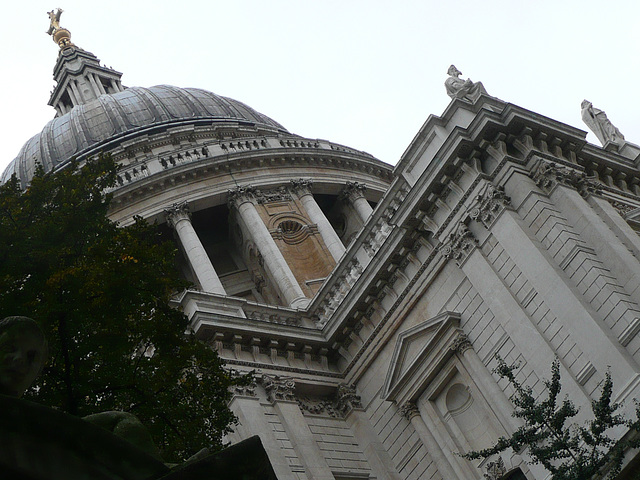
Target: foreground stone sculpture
x,y
600,125
462,89
126,426
38,442
23,350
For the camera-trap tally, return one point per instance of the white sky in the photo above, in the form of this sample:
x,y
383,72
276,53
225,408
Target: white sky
x,y
366,74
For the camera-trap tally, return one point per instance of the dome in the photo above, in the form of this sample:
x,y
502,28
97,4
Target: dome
x,y
115,117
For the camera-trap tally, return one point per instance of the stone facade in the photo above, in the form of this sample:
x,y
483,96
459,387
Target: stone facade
x,y
373,300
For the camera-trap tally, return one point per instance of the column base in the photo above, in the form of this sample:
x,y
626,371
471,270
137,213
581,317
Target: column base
x,y
300,302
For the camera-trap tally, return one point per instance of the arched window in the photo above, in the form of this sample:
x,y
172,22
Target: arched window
x,y
514,475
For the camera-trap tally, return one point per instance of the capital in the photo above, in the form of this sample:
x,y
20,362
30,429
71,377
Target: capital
x,y
346,398
461,344
409,410
461,244
279,388
177,212
352,191
240,195
301,186
547,175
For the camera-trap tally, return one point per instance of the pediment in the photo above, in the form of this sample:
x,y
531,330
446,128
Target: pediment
x,y
418,350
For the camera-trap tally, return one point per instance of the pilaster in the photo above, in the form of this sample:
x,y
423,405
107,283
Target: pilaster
x,y
349,404
586,326
410,411
280,392
246,406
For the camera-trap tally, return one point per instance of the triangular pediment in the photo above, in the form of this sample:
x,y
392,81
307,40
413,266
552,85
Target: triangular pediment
x,y
418,345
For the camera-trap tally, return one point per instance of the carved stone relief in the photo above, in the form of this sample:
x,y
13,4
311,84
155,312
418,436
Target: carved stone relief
x,y
489,204
279,388
461,244
548,175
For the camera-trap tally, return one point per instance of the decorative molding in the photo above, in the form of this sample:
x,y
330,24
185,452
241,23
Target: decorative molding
x,y
292,232
490,203
409,410
279,388
239,195
495,470
318,407
622,208
585,373
420,352
245,390
548,174
280,194
297,370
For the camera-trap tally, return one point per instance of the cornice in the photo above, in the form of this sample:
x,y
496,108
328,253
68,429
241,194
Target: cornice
x,y
143,179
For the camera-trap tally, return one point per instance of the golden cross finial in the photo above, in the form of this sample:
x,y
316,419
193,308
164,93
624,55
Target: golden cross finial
x,y
60,35
54,18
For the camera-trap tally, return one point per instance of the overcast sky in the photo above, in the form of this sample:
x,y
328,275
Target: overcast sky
x,y
366,74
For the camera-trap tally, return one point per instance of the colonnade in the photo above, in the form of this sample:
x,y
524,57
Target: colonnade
x,y
243,200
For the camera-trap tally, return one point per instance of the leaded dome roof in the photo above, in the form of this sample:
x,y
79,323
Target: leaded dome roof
x,y
116,117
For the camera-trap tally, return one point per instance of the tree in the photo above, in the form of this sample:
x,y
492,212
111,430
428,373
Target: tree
x,y
101,294
568,451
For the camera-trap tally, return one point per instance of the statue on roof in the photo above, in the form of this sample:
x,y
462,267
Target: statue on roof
x,y
460,88
600,125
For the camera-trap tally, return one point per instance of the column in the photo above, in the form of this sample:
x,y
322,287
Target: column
x,y
72,94
411,412
179,217
331,240
99,84
114,85
76,92
94,85
353,193
280,392
274,261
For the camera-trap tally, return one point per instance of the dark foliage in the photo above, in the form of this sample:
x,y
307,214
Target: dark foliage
x,y
101,295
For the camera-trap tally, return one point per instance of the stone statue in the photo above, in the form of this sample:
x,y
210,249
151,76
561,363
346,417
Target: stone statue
x,y
462,89
54,17
23,351
600,125
126,426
